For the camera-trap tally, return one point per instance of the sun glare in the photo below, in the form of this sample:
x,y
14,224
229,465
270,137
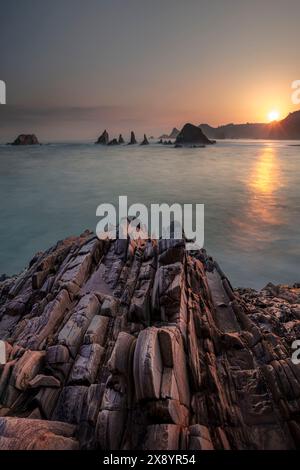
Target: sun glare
x,y
273,115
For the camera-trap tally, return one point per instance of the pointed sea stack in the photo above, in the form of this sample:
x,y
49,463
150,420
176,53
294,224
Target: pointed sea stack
x,y
121,140
192,135
132,139
103,139
26,139
174,133
145,141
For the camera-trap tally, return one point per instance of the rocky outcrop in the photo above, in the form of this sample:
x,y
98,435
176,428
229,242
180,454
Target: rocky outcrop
x,y
113,142
132,139
143,345
144,141
104,138
192,136
173,134
121,140
26,139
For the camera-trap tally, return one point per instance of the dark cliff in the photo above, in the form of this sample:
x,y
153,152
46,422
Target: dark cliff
x,y
288,129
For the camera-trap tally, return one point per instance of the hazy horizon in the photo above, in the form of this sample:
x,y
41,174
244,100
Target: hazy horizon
x,y
73,68
87,130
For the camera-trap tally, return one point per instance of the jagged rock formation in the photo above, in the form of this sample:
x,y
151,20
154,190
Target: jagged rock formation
x,y
103,139
130,344
26,139
145,141
121,140
132,139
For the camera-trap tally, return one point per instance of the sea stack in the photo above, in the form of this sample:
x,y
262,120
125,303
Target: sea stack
x,y
121,140
113,142
174,133
132,139
26,139
145,140
104,138
191,135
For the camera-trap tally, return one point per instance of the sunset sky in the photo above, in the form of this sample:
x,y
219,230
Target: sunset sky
x,y
74,67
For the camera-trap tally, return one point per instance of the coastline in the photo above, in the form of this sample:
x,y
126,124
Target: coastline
x,y
115,345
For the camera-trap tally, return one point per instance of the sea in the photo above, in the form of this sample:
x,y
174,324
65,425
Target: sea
x,y
250,191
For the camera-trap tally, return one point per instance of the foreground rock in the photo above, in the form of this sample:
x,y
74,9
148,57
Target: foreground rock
x,y
121,140
192,135
104,138
26,139
132,139
126,345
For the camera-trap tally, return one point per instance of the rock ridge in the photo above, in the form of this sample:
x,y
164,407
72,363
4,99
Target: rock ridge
x,y
143,345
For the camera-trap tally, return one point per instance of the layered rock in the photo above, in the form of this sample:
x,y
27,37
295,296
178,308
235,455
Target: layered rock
x,y
26,139
104,138
192,135
130,344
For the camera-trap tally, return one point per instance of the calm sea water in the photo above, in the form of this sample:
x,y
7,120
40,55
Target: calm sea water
x,y
251,192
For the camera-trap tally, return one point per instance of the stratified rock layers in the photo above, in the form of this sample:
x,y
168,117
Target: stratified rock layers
x,y
126,345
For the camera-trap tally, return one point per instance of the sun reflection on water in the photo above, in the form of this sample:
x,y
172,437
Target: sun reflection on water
x,y
265,178
263,212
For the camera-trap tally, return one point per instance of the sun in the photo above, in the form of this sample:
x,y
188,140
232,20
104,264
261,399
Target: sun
x,y
273,115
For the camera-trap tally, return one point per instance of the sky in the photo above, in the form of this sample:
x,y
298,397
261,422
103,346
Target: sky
x,y
75,67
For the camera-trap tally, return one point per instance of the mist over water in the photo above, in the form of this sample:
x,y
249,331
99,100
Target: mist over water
x,y
251,192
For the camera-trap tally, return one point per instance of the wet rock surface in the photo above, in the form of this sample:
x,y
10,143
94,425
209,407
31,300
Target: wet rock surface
x,y
143,345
